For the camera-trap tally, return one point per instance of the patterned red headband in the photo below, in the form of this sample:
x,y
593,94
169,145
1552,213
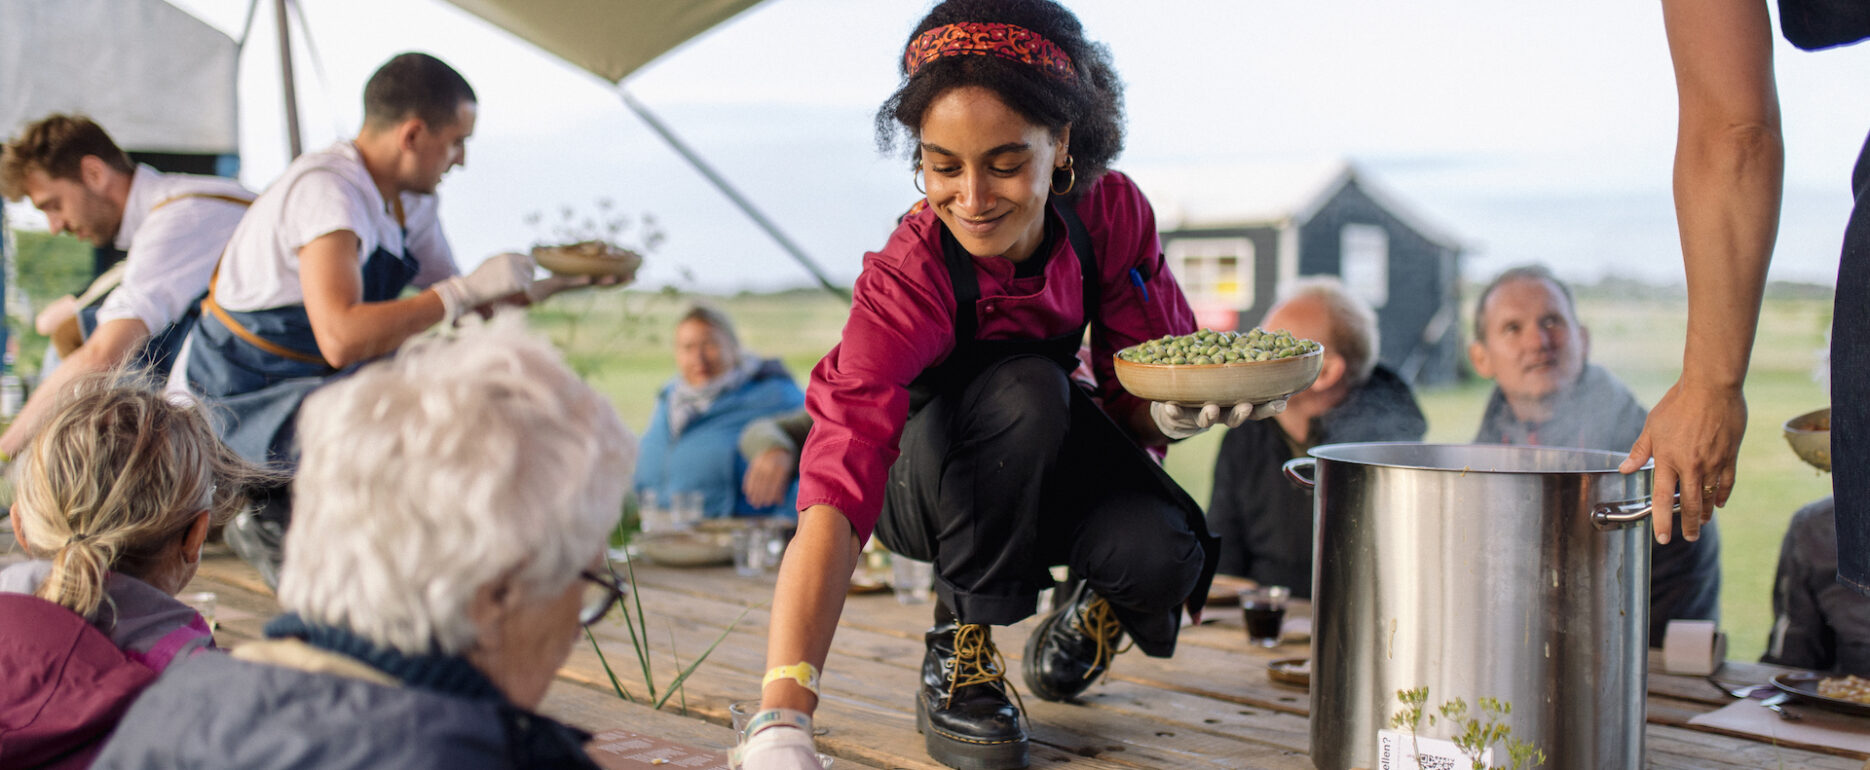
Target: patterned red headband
x,y
990,39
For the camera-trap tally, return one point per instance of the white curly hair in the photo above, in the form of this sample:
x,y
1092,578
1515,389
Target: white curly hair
x,y
459,462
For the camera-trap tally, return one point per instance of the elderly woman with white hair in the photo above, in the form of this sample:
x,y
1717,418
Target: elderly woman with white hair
x,y
447,548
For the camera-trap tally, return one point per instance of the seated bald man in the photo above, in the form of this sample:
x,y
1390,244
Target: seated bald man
x,y
1264,522
1528,340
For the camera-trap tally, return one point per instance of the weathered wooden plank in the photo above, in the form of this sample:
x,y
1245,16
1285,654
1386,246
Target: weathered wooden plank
x,y
1199,709
888,685
1679,747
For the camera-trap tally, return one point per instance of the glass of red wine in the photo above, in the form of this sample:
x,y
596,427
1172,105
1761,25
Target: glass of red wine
x,y
1265,609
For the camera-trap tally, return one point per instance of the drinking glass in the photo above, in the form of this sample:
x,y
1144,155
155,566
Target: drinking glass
x,y
1265,610
752,553
911,579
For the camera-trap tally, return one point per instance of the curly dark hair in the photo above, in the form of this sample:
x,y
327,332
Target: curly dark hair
x,y
1092,104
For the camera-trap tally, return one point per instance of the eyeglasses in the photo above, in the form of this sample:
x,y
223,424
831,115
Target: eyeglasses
x,y
602,592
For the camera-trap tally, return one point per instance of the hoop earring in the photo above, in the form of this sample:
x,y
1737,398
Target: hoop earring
x,y
1071,177
915,178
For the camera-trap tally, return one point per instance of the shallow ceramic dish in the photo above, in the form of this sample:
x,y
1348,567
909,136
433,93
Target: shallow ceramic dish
x,y
594,258
687,548
1244,382
1291,671
1810,437
1804,685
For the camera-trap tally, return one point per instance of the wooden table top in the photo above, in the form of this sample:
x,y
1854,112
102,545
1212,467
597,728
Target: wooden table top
x,y
1211,705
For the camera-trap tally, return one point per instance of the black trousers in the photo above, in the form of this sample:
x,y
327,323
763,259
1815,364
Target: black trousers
x,y
1019,471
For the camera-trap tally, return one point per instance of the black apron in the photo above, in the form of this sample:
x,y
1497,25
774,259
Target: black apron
x,y
971,356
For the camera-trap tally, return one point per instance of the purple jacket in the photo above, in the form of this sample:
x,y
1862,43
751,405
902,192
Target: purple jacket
x,y
63,685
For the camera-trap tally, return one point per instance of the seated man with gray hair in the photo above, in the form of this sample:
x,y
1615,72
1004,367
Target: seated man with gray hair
x,y
1528,340
447,549
1264,522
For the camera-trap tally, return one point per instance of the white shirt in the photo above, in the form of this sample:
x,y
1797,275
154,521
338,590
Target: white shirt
x,y
322,193
172,236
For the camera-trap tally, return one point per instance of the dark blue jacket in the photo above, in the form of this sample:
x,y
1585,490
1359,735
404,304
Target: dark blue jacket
x,y
215,711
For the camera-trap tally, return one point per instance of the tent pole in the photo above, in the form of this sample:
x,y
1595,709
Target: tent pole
x,y
720,183
285,72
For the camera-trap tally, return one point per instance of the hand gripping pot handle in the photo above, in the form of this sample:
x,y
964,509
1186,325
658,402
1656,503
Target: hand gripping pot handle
x,y
1613,515
1302,481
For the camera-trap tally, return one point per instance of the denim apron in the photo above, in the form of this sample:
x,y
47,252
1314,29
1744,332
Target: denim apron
x,y
260,365
1090,424
157,353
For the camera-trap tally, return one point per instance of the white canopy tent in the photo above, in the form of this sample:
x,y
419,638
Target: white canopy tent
x,y
608,38
160,79
613,38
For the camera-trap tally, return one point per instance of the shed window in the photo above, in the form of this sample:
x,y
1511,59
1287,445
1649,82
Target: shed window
x,y
1365,263
1214,271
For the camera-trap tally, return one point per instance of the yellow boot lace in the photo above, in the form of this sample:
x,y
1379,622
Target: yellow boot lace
x,y
1099,620
977,661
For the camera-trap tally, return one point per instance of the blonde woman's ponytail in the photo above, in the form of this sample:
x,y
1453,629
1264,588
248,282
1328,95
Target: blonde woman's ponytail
x,y
118,474
79,570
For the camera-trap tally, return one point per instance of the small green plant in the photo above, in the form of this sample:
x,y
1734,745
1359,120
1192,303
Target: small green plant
x,y
638,625
1474,733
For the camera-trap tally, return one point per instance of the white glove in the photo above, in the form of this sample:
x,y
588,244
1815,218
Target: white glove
x,y
1180,422
501,276
779,745
539,290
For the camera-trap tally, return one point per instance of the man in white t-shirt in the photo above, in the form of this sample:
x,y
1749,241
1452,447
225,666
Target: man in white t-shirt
x,y
314,278
172,228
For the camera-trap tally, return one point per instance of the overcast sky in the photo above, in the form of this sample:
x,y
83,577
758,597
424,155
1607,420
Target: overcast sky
x,y
1532,134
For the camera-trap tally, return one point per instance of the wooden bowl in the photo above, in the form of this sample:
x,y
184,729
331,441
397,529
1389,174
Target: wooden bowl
x,y
1296,672
1244,382
1810,437
687,548
594,258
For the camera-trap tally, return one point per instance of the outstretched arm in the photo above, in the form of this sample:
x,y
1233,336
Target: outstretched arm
x,y
349,329
808,600
1729,169
109,346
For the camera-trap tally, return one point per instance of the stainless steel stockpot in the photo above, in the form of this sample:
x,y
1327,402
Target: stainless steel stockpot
x,y
1514,573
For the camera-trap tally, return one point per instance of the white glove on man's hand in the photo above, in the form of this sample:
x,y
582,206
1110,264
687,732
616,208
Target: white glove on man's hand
x,y
1180,422
539,290
501,276
777,746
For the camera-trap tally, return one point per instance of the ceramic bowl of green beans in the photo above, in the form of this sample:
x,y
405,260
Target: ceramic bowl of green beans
x,y
1220,367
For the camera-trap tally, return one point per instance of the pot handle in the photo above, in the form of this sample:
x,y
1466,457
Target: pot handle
x,y
1292,467
1613,515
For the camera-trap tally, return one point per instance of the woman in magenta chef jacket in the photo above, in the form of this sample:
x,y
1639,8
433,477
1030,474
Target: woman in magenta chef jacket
x,y
947,421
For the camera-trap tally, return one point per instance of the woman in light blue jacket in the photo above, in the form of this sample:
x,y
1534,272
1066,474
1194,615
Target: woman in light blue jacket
x,y
692,442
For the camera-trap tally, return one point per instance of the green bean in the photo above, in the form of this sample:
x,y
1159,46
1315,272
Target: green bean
x,y
1206,346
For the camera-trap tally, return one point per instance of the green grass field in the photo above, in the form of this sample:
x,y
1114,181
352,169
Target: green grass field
x,y
621,341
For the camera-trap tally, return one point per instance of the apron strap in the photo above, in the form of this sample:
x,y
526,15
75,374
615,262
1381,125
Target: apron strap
x,y
234,199
966,286
1087,256
208,305
966,283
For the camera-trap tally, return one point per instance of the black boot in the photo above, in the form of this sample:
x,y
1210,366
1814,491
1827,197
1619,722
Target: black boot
x,y
1072,647
962,709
